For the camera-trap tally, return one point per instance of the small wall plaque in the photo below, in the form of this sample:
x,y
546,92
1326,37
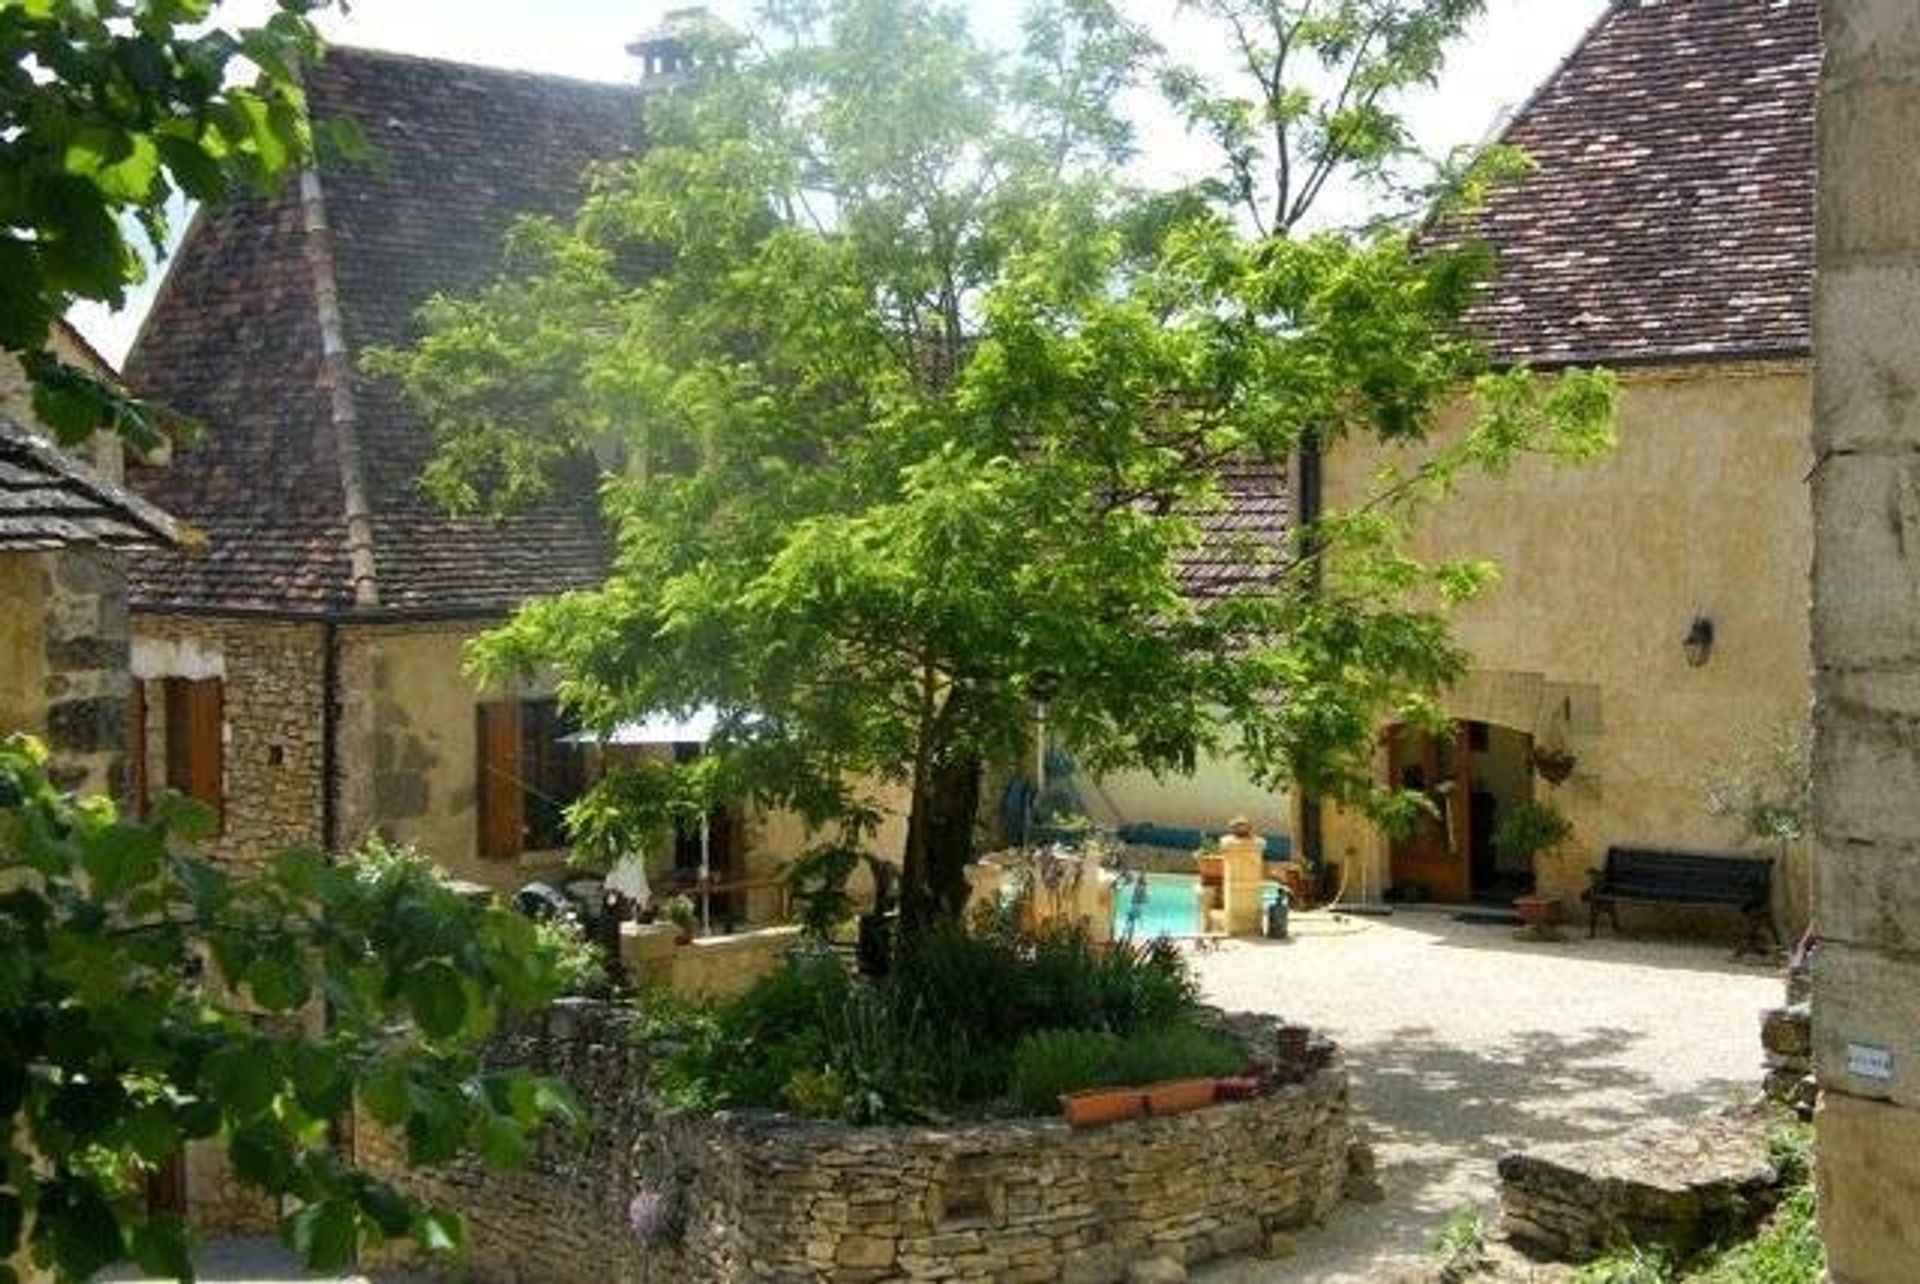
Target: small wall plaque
x,y
1869,1062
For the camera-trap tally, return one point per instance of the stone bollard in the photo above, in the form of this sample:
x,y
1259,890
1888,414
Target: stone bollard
x,y
1242,855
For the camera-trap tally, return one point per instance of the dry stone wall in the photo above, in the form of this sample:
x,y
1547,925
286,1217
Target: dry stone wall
x,y
273,695
755,1195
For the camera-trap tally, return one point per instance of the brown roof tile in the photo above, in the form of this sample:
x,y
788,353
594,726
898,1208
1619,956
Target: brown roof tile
x,y
1671,213
234,339
48,500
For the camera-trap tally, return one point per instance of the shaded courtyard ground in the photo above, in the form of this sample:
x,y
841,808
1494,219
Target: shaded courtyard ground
x,y
1464,1043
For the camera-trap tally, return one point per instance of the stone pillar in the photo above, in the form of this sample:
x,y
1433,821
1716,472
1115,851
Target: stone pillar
x,y
86,668
1866,641
1243,858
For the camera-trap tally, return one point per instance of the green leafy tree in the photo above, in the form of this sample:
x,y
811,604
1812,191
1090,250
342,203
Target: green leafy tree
x,y
150,999
904,402
112,113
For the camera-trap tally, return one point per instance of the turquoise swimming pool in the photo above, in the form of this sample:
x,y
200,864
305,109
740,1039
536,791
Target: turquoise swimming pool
x,y
1163,905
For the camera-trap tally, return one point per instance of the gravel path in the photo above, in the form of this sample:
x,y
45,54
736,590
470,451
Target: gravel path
x,y
1463,1043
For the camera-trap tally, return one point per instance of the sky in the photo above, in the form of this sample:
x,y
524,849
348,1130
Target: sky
x,y
1515,46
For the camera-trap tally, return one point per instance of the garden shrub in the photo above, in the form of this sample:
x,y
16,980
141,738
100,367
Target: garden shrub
x,y
1053,1062
1180,1051
962,1021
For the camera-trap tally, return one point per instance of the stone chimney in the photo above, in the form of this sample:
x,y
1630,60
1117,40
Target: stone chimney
x,y
671,53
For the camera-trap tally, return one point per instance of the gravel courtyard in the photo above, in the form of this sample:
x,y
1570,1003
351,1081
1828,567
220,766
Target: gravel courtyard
x,y
1463,1043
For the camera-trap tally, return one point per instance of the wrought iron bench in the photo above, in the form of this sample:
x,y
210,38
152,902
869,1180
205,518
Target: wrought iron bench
x,y
1685,879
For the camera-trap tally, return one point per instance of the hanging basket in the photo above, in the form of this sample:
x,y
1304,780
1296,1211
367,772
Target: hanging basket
x,y
1553,765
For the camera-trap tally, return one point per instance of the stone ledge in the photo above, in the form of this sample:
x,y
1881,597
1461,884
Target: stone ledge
x,y
1668,1184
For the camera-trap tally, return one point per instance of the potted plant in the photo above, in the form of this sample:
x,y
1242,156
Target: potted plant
x,y
1522,835
679,911
1102,1106
1177,1096
1553,763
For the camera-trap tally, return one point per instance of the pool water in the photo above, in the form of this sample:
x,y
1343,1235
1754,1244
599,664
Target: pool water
x,y
1163,905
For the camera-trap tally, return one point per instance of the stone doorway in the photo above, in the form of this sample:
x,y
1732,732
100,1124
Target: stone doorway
x,y
1473,773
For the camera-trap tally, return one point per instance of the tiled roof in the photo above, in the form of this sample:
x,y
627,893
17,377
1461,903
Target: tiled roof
x,y
1256,515
49,500
235,340
1671,213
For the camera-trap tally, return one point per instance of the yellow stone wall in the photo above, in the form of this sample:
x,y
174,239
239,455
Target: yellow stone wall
x,y
409,743
23,661
1702,509
408,763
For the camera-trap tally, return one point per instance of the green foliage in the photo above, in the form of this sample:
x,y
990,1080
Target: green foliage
x,y
817,886
1529,829
1634,1265
1051,1063
113,1054
916,403
1766,785
111,113
1461,1245
1177,1051
1787,1250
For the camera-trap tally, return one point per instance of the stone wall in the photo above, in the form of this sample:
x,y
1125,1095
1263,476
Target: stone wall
x,y
63,660
714,967
1866,629
272,704
754,1195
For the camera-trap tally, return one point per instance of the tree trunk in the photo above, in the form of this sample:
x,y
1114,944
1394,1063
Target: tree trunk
x,y
941,827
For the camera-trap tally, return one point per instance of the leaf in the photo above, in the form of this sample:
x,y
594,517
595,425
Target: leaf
x,y
320,1081
278,984
439,1002
159,1247
388,1093
241,1079
122,165
323,1234
121,857
502,1143
439,1232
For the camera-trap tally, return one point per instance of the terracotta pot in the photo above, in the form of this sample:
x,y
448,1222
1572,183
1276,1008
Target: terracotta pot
x,y
1177,1096
1102,1106
1536,911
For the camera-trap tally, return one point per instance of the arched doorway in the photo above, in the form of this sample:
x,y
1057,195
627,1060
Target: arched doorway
x,y
1474,773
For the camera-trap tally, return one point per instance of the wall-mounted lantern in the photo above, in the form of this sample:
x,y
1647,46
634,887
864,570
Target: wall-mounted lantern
x,y
1699,641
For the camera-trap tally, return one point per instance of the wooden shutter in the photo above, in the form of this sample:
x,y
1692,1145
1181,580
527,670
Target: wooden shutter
x,y
137,747
196,751
498,788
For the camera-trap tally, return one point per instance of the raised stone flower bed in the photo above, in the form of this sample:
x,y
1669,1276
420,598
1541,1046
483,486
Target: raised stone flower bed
x,y
757,1195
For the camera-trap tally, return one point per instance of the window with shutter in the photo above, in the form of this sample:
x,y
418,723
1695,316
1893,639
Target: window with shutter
x,y
502,811
137,748
196,748
529,774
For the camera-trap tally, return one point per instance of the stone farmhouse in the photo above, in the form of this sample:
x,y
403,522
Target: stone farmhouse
x,y
304,674
1651,614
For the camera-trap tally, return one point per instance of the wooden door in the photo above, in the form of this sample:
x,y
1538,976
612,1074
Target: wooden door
x,y
1434,855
